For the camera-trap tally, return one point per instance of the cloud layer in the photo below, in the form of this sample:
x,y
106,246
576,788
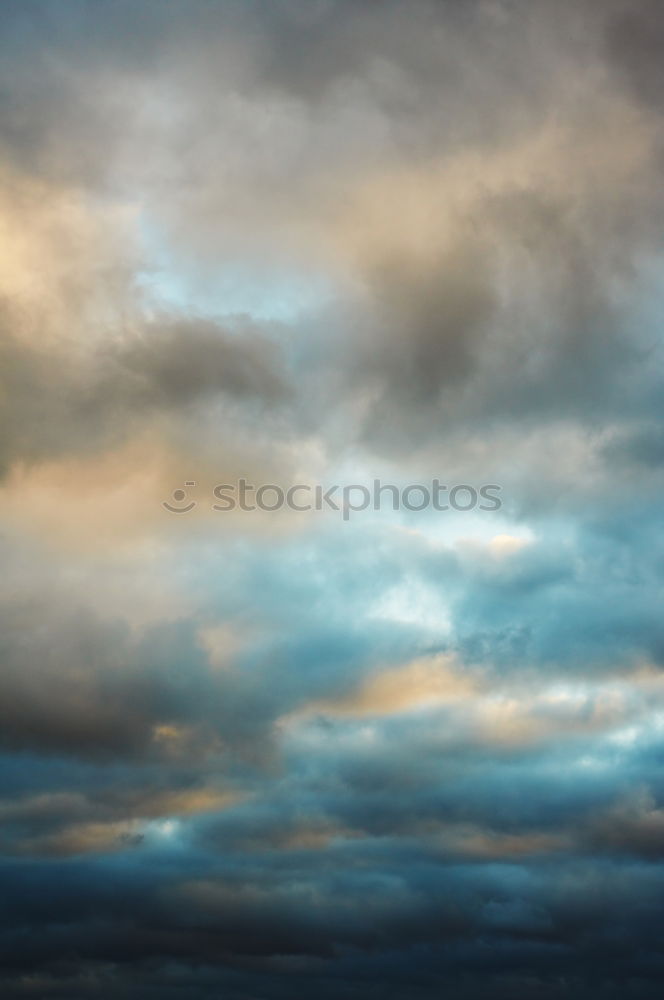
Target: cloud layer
x,y
261,754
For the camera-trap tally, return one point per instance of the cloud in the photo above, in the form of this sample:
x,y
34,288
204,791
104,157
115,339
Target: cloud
x,y
420,683
409,754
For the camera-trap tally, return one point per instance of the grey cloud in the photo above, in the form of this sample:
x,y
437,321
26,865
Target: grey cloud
x,y
185,361
55,404
634,40
449,350
633,826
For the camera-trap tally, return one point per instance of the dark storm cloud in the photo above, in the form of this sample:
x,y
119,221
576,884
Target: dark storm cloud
x,y
77,686
54,404
434,917
185,361
84,687
635,35
78,680
465,354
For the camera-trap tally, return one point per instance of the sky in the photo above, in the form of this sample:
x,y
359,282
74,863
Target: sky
x,y
337,753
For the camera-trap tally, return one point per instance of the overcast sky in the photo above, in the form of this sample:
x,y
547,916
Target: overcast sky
x,y
401,755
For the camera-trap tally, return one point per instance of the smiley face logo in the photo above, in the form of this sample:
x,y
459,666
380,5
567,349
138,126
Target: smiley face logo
x,y
179,496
